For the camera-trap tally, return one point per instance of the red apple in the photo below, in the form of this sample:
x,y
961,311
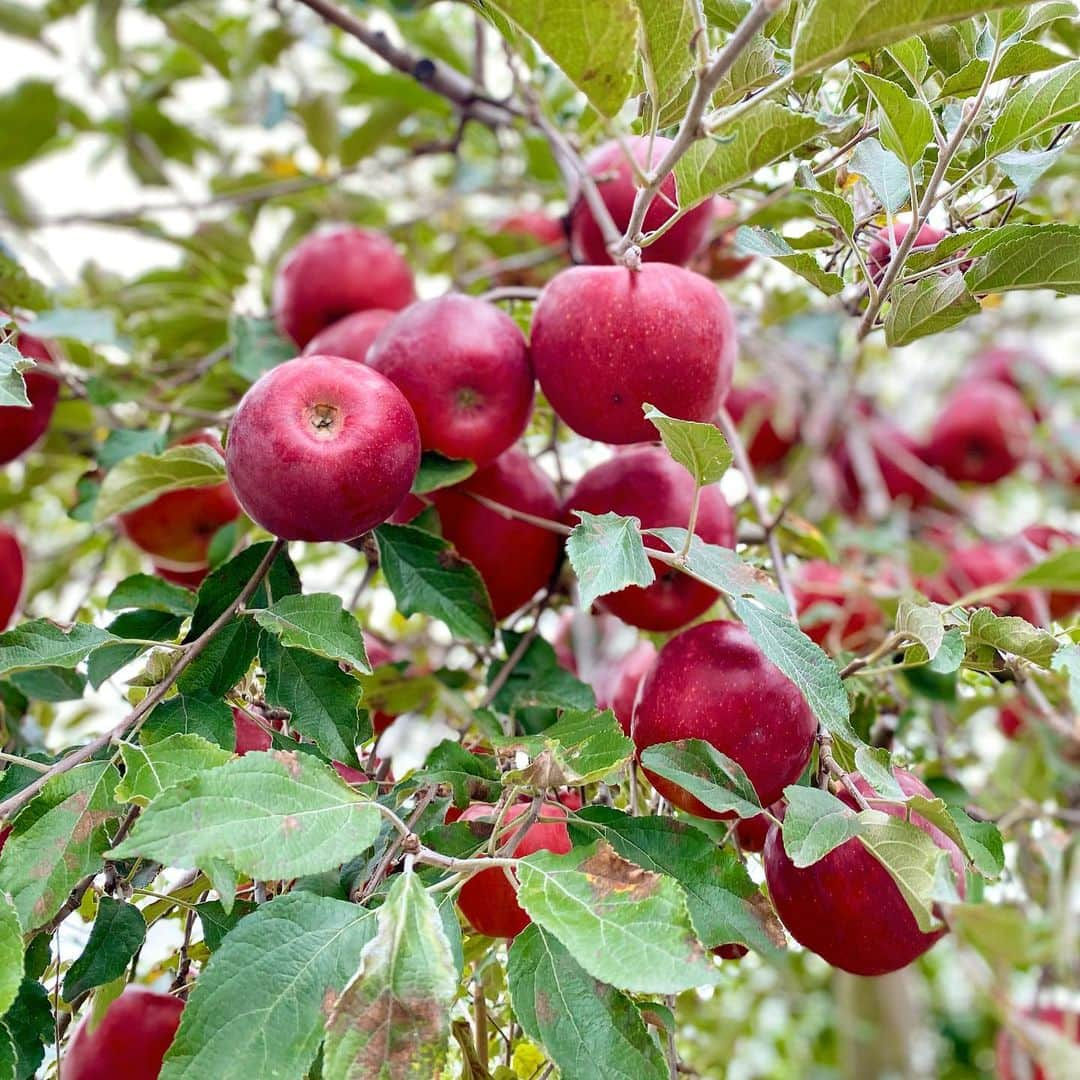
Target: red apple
x,y
731,951
752,832
189,579
770,426
886,441
378,655
464,367
321,450
614,175
535,224
349,774
1014,1060
1021,369
977,566
249,735
514,558
982,434
719,259
12,572
334,273
881,250
855,624
646,483
605,340
712,682
846,907
620,692
1049,541
20,427
177,527
130,1041
488,899
1012,719
350,337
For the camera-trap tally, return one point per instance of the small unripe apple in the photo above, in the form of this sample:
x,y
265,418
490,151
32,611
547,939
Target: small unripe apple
x,y
334,273
646,483
1014,1060
858,619
846,907
880,252
901,483
614,175
712,682
12,572
513,557
976,566
322,450
350,337
20,427
463,365
488,899
130,1041
606,340
770,426
982,434
177,527
620,691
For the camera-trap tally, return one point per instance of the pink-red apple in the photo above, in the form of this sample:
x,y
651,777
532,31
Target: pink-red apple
x,y
12,572
20,427
646,483
334,273
250,736
856,620
770,426
619,691
977,566
537,225
606,340
891,447
321,450
350,337
189,579
882,247
1021,369
463,365
1048,541
719,259
712,682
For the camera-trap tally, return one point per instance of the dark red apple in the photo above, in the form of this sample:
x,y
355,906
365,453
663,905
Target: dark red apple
x,y
646,483
321,450
349,774
1014,1060
732,951
129,1042
20,427
605,340
614,175
846,907
858,619
982,434
978,566
189,579
1049,541
350,337
249,735
12,572
488,899
881,250
620,691
177,527
464,367
770,426
337,272
514,558
901,483
752,831
712,682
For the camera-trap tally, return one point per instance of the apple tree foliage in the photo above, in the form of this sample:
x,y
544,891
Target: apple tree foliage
x,y
313,925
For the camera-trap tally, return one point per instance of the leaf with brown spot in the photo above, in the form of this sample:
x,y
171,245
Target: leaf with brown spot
x,y
58,839
393,1019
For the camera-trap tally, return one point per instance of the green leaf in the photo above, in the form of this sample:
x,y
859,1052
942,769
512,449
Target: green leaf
x,y
581,747
322,700
141,478
1021,58
1035,108
109,658
754,68
437,472
710,776
928,306
756,139
42,643
593,41
1029,257
12,384
201,39
982,842
593,894
667,30
700,449
257,1009
1067,660
911,55
815,823
317,623
153,593
922,621
257,346
884,172
150,769
28,1026
393,1018
124,442
875,765
473,777
1025,168
590,1030
217,923
17,288
538,680
1011,634
11,953
1060,572
427,576
89,327
191,714
830,30
607,554
29,118
58,839
831,207
907,128
118,933
268,815
724,903
752,240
